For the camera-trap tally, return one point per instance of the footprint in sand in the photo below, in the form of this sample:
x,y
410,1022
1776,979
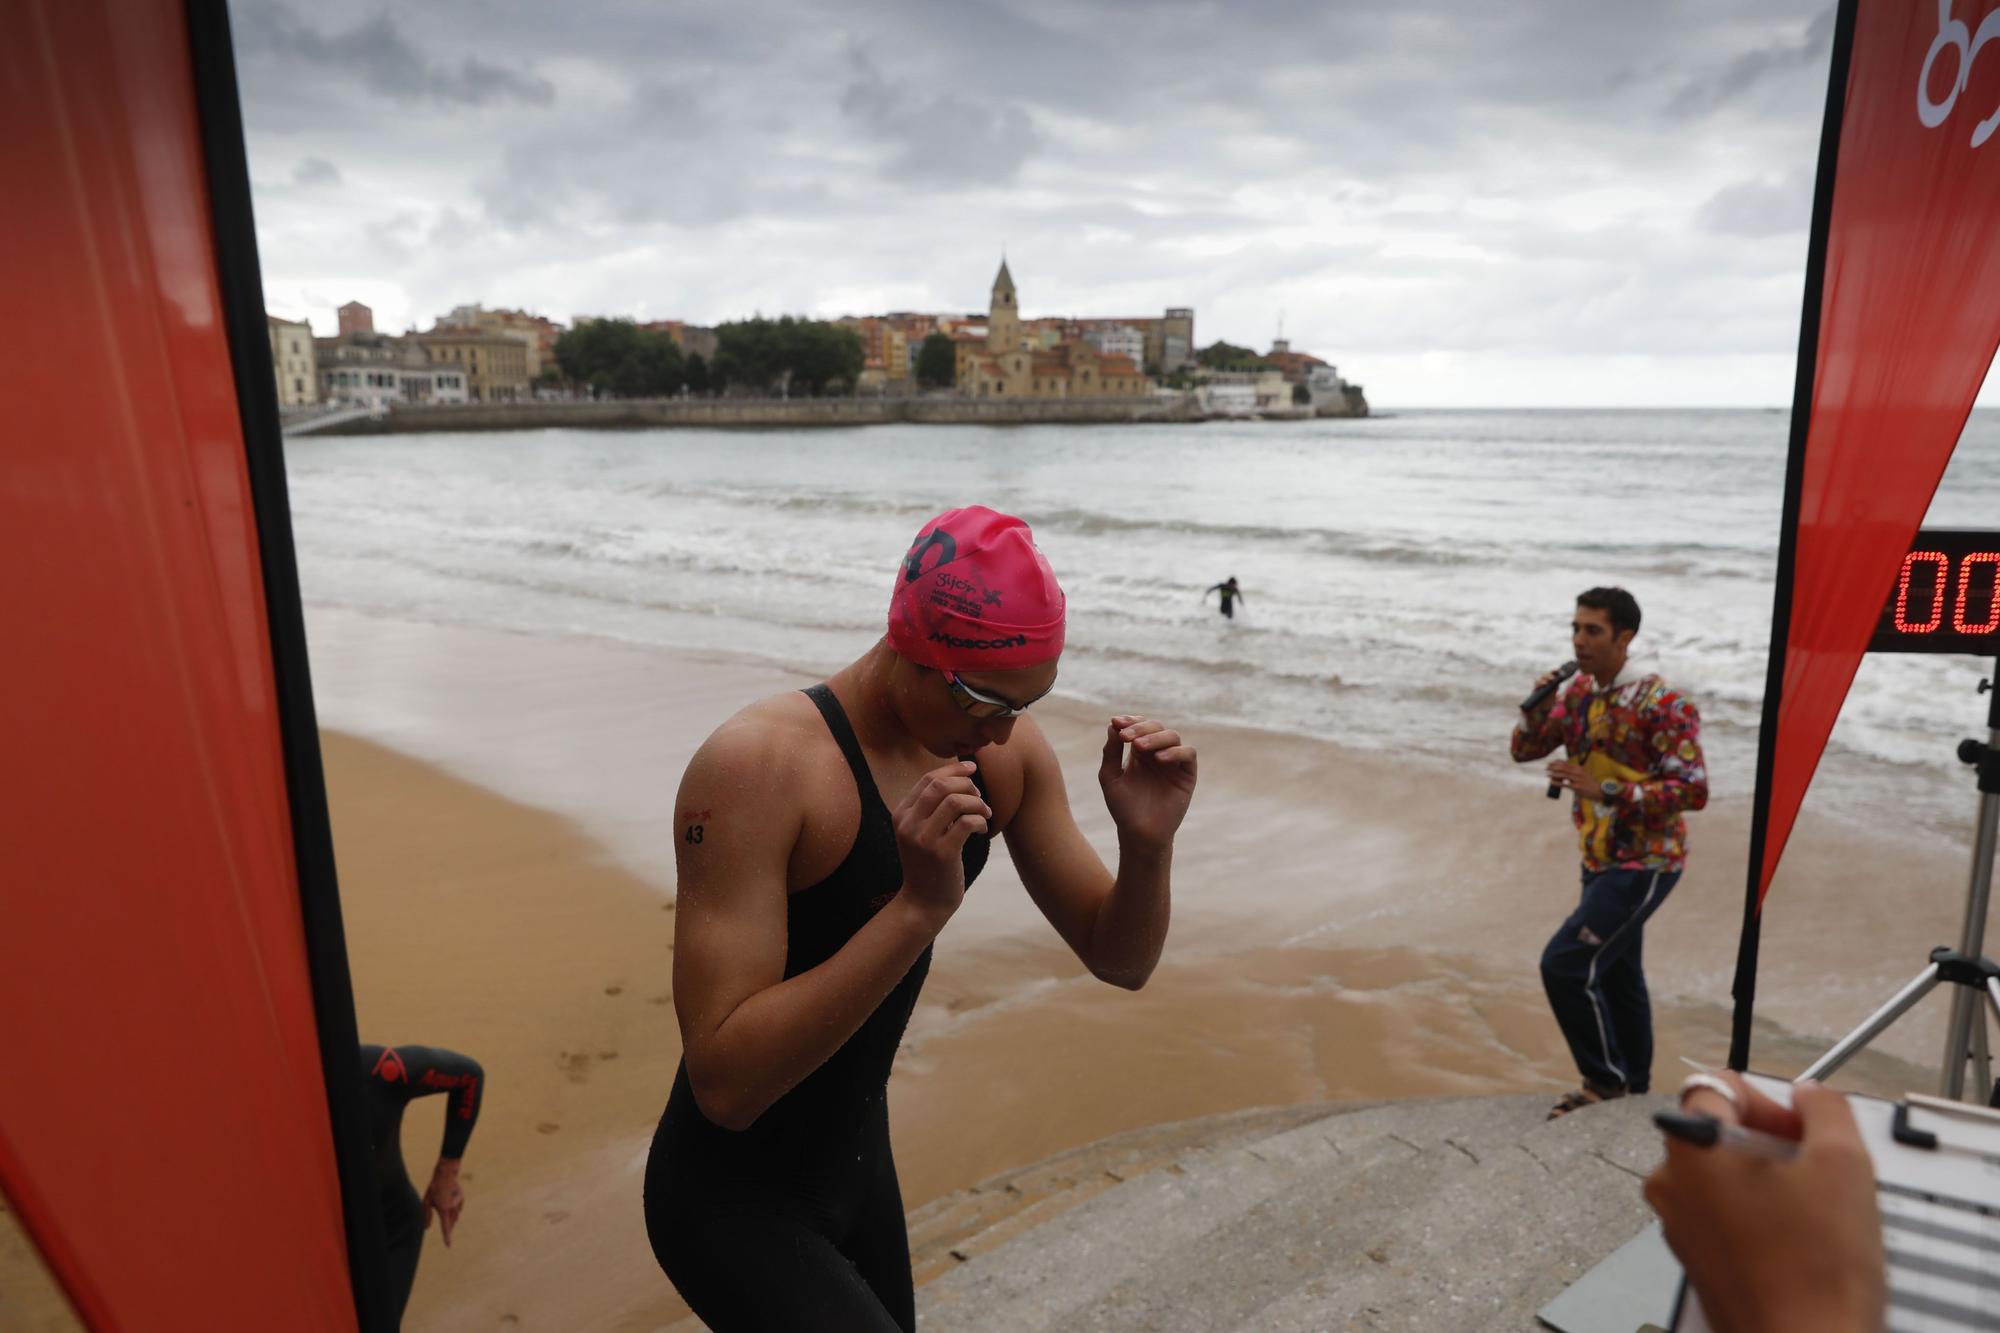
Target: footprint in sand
x,y
665,997
614,990
554,1216
575,1065
547,1127
607,1055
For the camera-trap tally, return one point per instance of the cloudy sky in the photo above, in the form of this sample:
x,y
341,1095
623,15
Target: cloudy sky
x,y
1549,202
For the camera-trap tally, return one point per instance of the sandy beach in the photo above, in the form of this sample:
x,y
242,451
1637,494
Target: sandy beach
x,y
1348,926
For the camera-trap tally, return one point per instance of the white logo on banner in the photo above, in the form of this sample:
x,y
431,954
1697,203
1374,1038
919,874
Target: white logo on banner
x,y
1954,35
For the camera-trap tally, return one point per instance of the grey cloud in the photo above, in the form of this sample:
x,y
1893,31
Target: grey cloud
x,y
938,138
315,171
1751,68
1760,207
671,151
398,238
383,60
1400,178
642,185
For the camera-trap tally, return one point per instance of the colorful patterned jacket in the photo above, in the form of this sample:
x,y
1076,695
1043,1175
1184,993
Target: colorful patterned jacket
x,y
1645,736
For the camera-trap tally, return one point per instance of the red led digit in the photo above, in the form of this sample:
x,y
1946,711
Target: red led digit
x,y
1992,621
1903,626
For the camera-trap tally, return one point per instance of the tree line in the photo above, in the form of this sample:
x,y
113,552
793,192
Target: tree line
x,y
757,356
787,355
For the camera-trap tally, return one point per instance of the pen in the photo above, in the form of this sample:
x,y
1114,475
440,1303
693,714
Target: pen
x,y
1706,1132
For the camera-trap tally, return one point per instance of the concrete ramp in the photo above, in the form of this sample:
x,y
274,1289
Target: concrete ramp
x,y
309,422
1465,1214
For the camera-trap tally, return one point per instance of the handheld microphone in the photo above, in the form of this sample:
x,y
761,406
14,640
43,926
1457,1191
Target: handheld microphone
x,y
1541,693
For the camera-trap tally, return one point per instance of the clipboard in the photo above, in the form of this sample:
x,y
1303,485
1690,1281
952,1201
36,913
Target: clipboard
x,y
1937,1181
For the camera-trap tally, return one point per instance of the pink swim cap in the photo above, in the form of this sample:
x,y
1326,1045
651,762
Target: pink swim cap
x,y
975,594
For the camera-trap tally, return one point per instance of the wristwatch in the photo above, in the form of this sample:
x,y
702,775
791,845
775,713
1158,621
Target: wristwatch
x,y
1612,788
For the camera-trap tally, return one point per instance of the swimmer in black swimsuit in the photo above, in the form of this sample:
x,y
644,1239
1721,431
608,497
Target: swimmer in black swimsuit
x,y
394,1076
1230,592
822,846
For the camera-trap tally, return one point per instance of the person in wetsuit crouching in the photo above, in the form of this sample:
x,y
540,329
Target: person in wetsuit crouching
x,y
822,845
394,1076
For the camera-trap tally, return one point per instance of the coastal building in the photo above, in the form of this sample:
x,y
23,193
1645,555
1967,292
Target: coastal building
x,y
1119,340
914,327
1175,340
378,372
1298,367
1244,392
355,317
1019,362
885,349
536,332
967,346
292,361
495,364
1321,379
359,384
434,384
1165,344
358,368
380,386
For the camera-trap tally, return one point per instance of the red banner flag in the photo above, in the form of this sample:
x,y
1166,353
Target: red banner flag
x,y
1901,319
181,1133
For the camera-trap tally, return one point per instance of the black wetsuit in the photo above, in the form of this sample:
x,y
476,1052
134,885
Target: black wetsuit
x,y
1230,592
394,1076
797,1221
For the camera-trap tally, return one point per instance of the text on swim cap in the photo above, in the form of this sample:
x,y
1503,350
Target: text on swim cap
x,y
953,641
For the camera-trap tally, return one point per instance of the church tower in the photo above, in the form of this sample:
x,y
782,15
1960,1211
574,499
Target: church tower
x,y
1003,315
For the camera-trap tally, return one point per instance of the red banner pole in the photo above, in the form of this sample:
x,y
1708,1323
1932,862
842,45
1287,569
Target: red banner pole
x,y
241,282
1744,988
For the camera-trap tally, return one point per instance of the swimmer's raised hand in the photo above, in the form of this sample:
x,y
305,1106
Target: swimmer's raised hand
x,y
1148,791
941,811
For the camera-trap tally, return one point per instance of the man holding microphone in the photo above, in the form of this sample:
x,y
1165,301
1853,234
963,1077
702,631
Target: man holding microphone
x,y
1634,766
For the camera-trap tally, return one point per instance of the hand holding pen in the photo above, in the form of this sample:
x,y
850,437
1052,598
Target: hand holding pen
x,y
1771,1209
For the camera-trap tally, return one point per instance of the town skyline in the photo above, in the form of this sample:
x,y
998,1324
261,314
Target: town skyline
x,y
1561,205
476,355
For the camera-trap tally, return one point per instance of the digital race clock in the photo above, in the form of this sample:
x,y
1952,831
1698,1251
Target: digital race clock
x,y
1943,598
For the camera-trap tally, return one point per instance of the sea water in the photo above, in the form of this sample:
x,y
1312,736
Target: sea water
x,y
1405,577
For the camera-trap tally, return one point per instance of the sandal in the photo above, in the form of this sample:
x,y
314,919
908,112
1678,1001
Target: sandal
x,y
1582,1097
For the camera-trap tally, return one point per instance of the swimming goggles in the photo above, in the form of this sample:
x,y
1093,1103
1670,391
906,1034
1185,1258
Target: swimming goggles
x,y
985,707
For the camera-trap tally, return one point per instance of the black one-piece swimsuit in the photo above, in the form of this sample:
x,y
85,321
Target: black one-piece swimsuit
x,y
797,1221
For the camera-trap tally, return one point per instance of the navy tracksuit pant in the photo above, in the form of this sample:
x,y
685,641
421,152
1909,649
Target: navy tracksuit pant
x,y
1591,971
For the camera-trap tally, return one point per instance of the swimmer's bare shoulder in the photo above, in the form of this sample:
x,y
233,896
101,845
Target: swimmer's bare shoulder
x,y
738,814
749,780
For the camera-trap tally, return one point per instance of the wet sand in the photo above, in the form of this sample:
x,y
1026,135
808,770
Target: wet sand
x,y
1347,926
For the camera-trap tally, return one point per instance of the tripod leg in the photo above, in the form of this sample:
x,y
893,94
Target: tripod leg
x,y
1991,993
1972,943
1877,1023
1965,1026
1982,1068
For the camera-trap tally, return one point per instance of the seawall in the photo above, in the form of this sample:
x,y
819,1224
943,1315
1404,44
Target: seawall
x,y
754,412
